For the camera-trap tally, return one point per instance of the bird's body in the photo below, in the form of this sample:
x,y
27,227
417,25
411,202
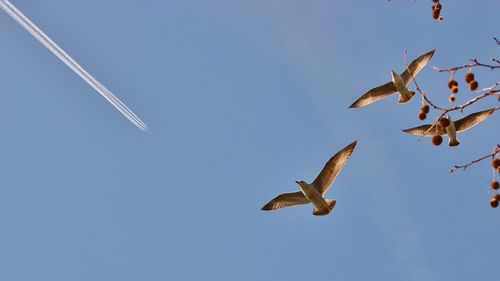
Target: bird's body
x,y
451,130
321,205
314,192
404,93
398,83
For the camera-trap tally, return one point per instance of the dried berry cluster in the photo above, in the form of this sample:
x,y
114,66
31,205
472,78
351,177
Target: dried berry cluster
x,y
424,109
469,78
436,10
453,84
495,164
437,139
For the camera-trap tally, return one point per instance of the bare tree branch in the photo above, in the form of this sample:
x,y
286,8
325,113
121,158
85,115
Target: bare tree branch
x,y
465,166
474,63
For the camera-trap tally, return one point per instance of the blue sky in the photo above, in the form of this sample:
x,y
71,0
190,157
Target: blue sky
x,y
243,98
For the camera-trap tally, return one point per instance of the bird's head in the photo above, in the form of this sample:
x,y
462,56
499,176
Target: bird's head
x,y
301,183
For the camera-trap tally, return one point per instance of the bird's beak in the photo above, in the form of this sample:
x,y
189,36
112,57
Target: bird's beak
x,y
296,182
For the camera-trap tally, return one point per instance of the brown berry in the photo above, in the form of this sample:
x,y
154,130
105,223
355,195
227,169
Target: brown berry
x,y
422,116
452,83
494,184
498,170
495,163
493,203
454,89
438,6
496,197
435,1
425,108
444,122
469,76
435,14
473,85
452,98
437,140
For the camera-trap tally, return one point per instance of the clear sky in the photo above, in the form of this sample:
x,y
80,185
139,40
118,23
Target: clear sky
x,y
243,98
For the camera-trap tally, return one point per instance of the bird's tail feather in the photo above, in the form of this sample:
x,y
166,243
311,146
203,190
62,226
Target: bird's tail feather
x,y
454,142
331,205
405,99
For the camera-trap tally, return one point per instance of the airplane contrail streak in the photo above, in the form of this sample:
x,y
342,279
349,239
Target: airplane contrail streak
x,y
70,62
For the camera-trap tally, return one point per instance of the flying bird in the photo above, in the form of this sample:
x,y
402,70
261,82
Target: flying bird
x,y
20,18
314,192
398,84
451,130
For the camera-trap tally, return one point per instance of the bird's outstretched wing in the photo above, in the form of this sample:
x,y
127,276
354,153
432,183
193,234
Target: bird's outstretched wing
x,y
426,130
374,95
416,65
473,119
461,125
286,200
332,168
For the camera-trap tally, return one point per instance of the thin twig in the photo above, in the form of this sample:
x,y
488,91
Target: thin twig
x,y
463,167
474,63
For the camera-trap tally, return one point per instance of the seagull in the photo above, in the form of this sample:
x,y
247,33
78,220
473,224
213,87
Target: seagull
x,y
398,84
451,130
313,192
20,18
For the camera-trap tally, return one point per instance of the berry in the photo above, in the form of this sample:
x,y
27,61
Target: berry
x,y
438,6
452,83
493,203
495,163
452,98
454,89
469,76
473,85
435,1
435,14
422,116
437,140
444,122
425,108
498,170
496,197
494,184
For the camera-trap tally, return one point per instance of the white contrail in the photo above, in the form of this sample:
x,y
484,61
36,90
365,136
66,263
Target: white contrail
x,y
62,55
